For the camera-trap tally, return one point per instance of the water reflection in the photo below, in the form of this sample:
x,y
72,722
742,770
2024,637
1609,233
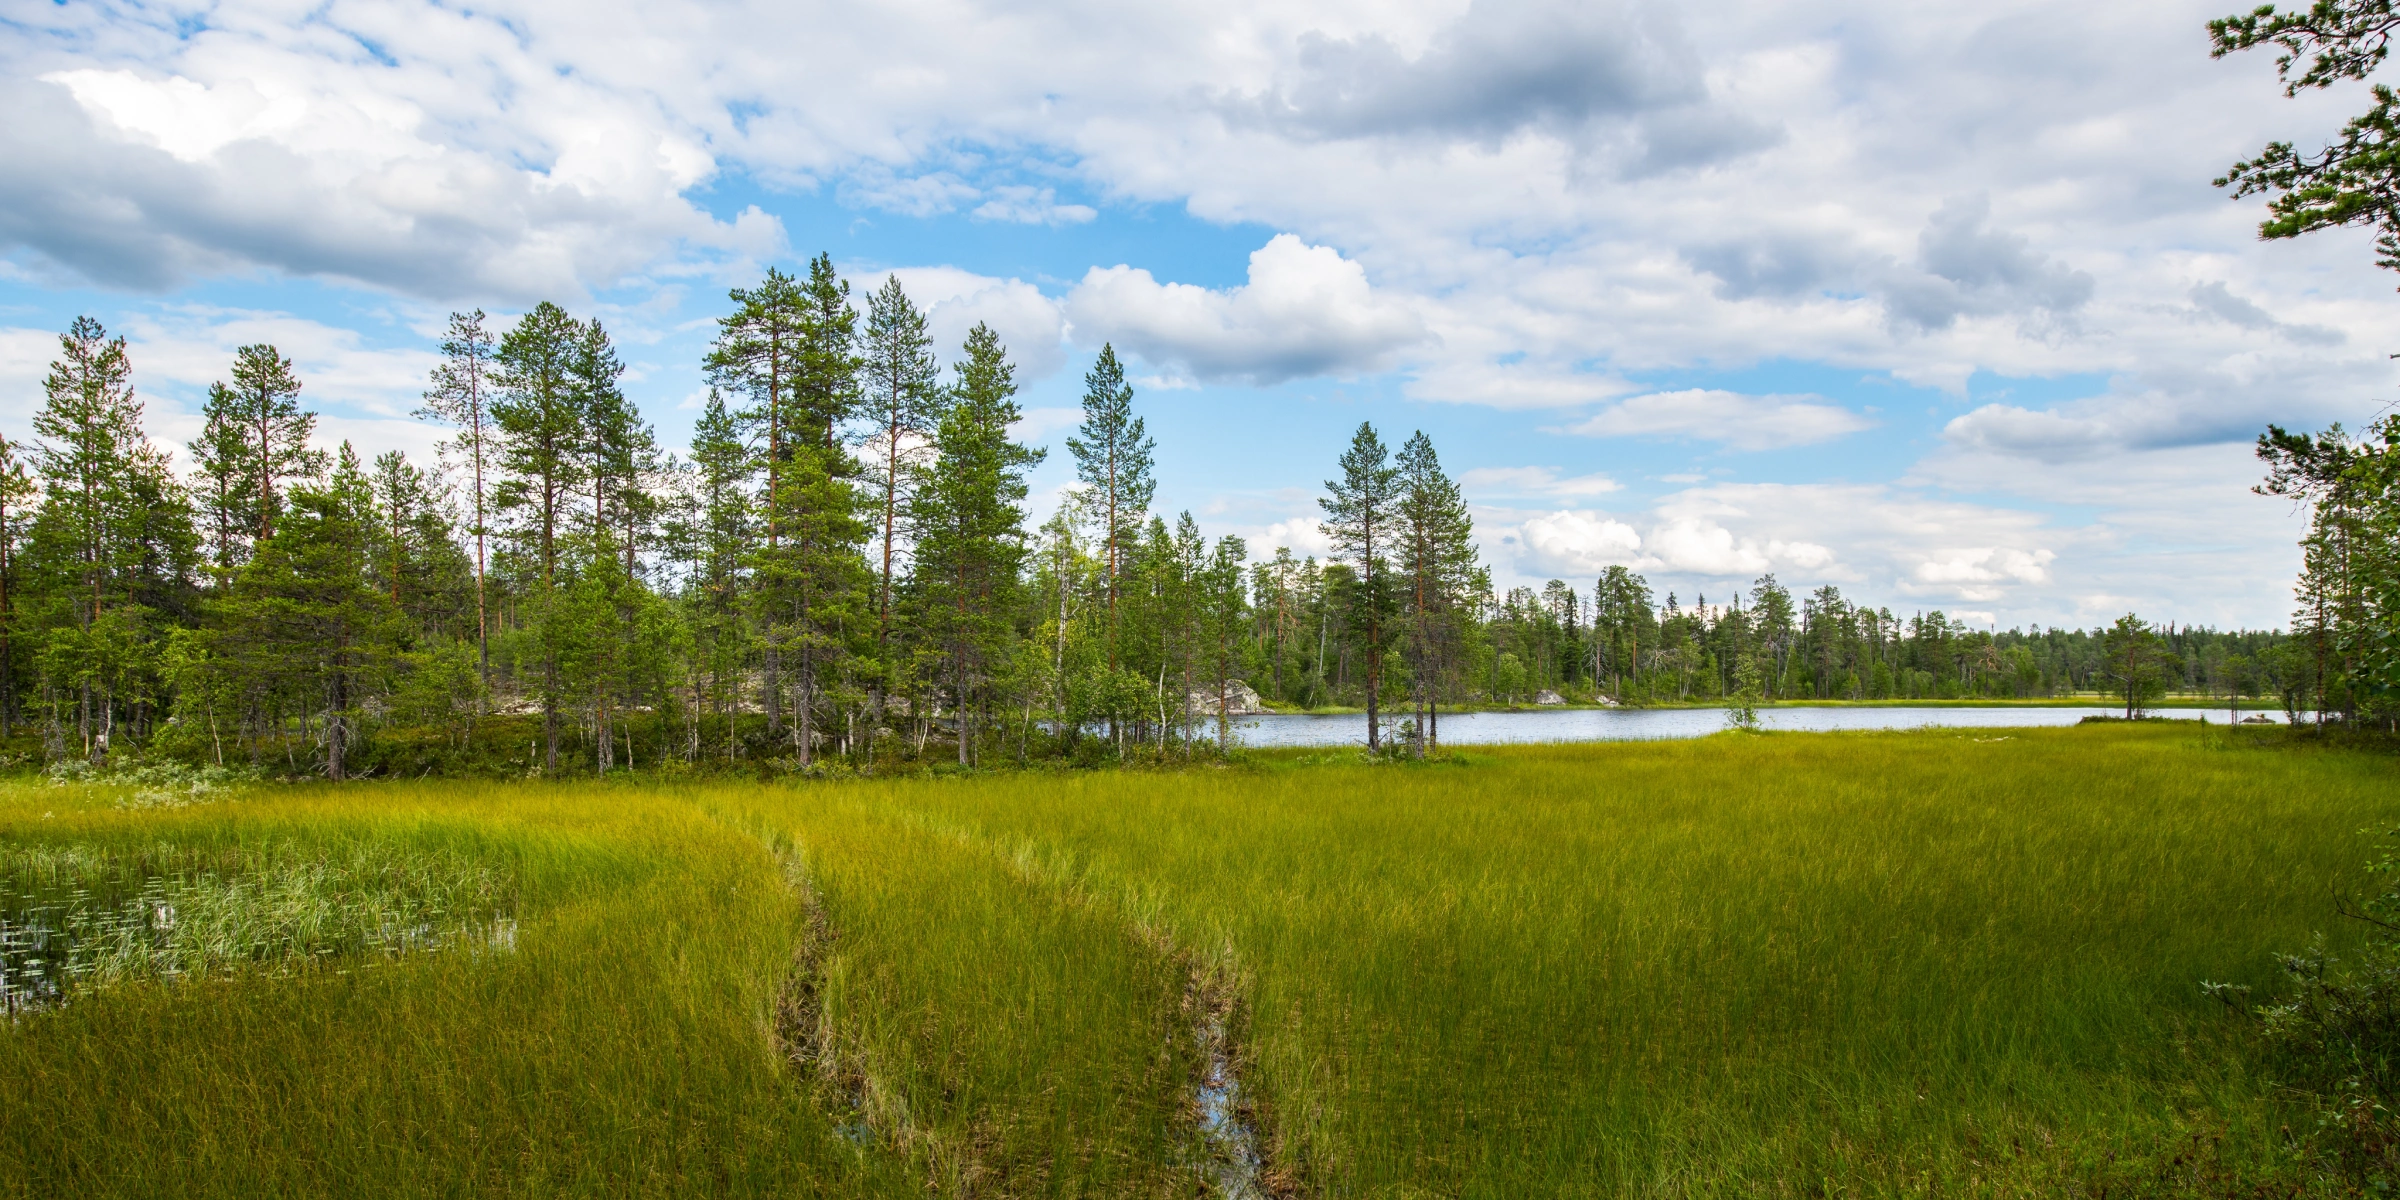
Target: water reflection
x,y
1647,724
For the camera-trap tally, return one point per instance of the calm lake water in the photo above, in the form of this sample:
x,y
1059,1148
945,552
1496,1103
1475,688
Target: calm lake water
x,y
1616,724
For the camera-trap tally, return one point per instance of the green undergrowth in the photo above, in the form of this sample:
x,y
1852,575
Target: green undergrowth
x,y
1923,963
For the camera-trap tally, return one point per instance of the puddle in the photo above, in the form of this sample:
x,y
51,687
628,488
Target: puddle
x,y
72,918
1233,1165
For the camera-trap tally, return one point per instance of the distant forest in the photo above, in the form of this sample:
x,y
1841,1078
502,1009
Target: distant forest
x,y
840,574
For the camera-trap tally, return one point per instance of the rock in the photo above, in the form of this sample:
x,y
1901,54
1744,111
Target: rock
x,y
1240,701
1549,698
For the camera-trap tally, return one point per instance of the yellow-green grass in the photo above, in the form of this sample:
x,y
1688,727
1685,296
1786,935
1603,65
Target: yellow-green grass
x,y
1879,963
1789,961
620,1049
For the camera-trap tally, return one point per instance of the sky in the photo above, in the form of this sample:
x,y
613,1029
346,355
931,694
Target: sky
x,y
1933,303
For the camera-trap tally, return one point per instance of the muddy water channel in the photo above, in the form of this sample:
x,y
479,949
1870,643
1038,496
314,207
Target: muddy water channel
x,y
1620,724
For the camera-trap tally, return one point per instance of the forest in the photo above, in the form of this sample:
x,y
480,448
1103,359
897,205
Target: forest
x,y
842,571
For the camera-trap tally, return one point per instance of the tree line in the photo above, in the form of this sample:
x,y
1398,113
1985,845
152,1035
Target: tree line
x,y
840,573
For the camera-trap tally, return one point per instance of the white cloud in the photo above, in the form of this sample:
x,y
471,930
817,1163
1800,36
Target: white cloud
x,y
1305,311
953,300
1550,199
1742,422
361,392
1534,481
1304,534
1025,205
1579,543
277,149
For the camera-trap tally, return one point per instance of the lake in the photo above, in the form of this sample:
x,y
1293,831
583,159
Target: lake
x,y
1642,724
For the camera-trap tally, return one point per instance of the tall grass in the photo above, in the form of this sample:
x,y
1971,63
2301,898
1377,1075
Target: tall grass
x,y
1002,1035
1880,963
620,1050
1792,962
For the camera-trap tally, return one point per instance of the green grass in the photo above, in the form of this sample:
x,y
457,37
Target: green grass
x,y
1902,963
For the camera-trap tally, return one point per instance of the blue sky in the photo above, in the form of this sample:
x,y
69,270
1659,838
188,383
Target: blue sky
x,y
1937,306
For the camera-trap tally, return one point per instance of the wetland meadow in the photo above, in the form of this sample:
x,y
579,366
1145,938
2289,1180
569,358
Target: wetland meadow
x,y
1936,961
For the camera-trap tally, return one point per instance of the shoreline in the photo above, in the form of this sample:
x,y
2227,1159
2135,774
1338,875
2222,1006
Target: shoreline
x,y
2103,702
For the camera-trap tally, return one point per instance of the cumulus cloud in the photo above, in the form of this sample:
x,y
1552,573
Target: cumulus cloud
x,y
1880,543
1739,421
1973,270
1780,264
362,392
1918,193
2214,300
954,301
1305,311
1571,542
1505,65
1305,535
336,170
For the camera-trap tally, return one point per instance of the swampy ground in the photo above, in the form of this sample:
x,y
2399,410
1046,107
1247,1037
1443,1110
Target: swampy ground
x,y
1937,962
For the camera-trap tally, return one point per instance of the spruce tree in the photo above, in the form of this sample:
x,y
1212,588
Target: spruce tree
x,y
1360,518
970,527
812,586
307,612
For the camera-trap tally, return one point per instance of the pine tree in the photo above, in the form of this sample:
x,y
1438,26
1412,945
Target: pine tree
x,y
2138,660
1113,459
1437,543
537,413
1360,517
812,585
904,401
1222,616
224,482
970,527
111,543
617,451
1620,620
718,541
759,353
459,393
263,404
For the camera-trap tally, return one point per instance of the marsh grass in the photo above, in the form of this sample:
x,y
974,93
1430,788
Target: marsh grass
x,y
1749,963
73,917
1925,963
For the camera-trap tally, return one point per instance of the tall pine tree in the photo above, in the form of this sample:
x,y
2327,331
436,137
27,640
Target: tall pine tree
x,y
970,527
